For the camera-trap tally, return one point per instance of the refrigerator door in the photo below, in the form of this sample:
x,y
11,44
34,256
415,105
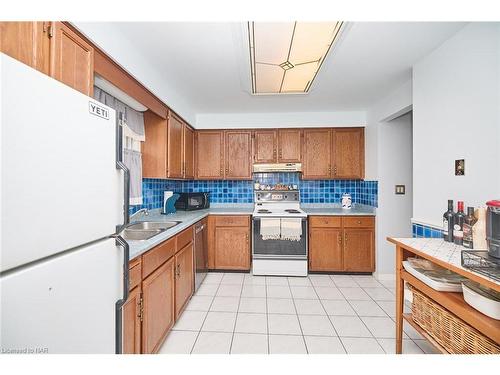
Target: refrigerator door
x,y
65,304
59,184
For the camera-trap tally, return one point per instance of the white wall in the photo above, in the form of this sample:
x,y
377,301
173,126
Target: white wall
x,y
456,97
280,119
394,167
117,46
389,155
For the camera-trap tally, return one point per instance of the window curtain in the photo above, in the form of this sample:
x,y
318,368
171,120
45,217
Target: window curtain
x,y
132,123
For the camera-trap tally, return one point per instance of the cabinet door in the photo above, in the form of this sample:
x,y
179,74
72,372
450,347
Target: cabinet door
x,y
264,146
316,162
188,152
359,250
154,149
209,155
289,145
232,248
175,147
348,156
131,312
72,59
325,249
27,42
158,301
184,282
238,155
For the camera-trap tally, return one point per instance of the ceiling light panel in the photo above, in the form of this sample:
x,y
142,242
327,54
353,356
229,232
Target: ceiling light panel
x,y
286,56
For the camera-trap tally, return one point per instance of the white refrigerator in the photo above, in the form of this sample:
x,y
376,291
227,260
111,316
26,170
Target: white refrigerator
x,y
63,269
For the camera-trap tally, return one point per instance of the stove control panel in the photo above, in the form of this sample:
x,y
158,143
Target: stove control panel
x,y
277,196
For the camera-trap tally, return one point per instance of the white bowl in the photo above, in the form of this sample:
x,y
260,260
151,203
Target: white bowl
x,y
487,306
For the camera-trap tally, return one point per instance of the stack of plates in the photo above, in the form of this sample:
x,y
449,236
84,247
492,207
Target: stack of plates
x,y
436,277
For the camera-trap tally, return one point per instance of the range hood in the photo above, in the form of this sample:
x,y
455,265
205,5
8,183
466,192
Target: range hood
x,y
277,167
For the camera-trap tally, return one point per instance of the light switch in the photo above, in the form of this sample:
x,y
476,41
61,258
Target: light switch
x,y
400,189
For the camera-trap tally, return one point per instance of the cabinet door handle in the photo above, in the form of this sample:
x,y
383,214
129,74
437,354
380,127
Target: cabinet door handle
x,y
329,169
221,171
246,237
340,238
345,238
335,170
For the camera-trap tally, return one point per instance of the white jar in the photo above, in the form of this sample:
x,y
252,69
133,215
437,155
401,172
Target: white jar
x,y
346,201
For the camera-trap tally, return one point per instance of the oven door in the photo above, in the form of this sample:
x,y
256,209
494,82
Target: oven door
x,y
278,249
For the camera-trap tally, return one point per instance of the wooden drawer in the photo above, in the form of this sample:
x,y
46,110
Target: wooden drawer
x,y
359,222
184,238
232,221
155,257
135,275
325,221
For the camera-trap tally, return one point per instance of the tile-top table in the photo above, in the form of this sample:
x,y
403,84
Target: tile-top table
x,y
446,255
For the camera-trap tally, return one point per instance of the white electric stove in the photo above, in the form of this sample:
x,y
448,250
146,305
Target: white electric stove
x,y
278,257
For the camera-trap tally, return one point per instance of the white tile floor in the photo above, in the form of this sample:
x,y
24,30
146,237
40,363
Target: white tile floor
x,y
244,314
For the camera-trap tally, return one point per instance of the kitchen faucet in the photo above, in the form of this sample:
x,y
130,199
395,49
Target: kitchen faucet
x,y
145,211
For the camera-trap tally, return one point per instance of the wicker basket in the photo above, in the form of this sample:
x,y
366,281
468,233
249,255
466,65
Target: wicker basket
x,y
451,332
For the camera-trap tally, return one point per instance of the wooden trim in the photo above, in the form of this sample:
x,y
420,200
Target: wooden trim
x,y
472,276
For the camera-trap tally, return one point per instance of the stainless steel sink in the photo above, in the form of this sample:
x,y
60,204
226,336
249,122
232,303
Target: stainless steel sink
x,y
152,225
144,230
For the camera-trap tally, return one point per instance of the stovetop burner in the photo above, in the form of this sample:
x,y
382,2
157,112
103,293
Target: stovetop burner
x,y
263,211
292,211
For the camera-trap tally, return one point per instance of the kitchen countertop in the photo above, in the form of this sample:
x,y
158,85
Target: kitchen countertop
x,y
335,209
188,218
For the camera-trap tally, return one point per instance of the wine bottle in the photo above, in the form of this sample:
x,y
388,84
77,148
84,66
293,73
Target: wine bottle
x,y
469,222
458,224
448,222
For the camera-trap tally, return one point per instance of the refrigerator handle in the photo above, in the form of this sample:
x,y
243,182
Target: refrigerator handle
x,y
119,304
126,173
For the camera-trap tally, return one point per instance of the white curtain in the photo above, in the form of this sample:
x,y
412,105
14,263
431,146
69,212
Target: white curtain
x,y
132,123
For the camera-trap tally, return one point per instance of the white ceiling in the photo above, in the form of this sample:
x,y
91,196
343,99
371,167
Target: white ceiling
x,y
207,64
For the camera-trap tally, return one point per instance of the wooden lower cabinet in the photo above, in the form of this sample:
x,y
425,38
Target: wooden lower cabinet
x,y
158,302
342,244
229,242
132,323
359,250
184,277
325,249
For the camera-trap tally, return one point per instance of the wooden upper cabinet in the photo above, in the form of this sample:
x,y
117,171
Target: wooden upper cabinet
x,y
289,145
348,155
158,300
72,59
209,151
27,42
265,146
175,147
237,156
131,311
316,161
184,283
359,250
188,152
154,151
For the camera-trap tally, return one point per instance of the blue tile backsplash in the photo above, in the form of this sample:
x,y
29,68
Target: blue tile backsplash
x,y
424,231
311,191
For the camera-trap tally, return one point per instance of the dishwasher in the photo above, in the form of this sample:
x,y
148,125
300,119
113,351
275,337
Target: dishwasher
x,y
200,253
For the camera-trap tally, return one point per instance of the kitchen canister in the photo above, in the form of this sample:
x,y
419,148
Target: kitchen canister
x,y
346,201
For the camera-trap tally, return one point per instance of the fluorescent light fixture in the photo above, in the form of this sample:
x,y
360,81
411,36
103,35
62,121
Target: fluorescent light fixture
x,y
285,57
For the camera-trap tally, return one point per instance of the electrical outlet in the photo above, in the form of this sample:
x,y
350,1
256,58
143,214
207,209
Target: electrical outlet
x,y
400,189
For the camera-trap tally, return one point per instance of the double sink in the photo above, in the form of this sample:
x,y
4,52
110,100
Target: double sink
x,y
144,230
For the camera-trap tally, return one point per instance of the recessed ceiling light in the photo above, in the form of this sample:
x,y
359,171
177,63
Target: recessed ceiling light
x,y
285,57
